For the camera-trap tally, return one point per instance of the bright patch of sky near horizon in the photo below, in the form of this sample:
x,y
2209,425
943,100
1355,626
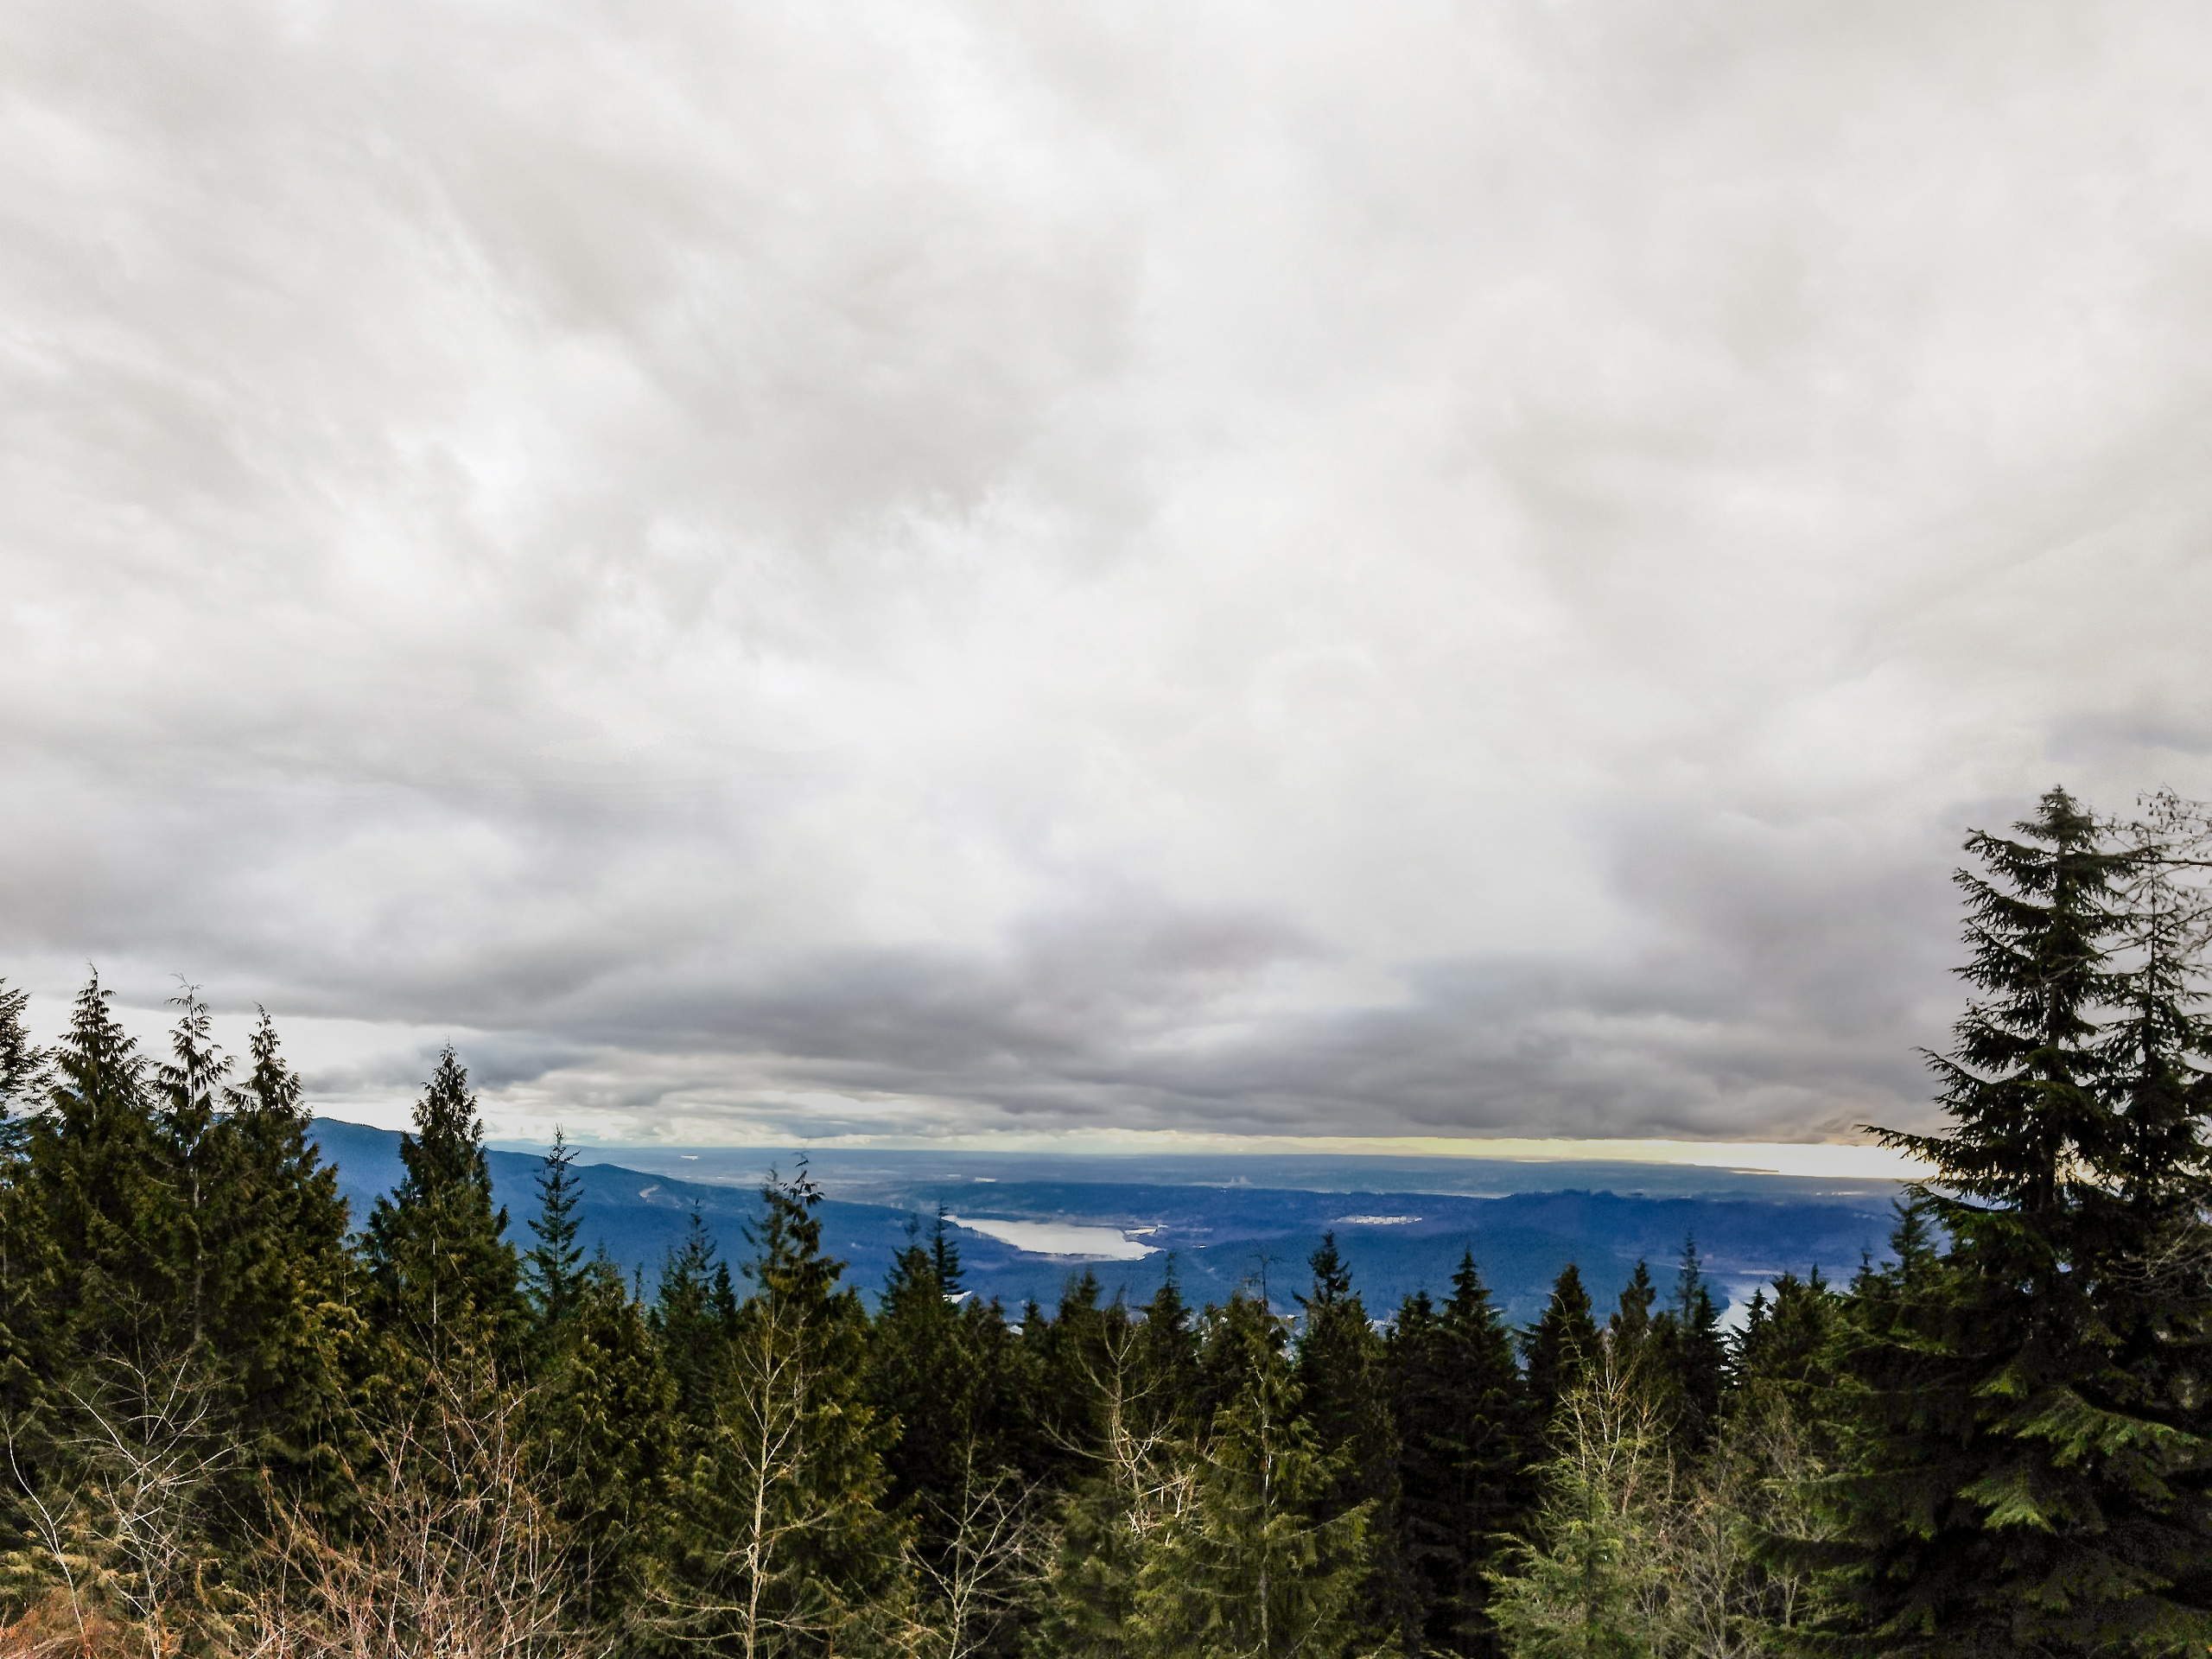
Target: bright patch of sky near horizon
x,y
944,568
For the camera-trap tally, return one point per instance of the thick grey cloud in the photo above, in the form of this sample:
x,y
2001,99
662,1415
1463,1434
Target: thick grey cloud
x,y
936,566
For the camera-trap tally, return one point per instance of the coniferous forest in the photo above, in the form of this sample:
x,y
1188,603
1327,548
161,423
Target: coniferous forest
x,y
240,1420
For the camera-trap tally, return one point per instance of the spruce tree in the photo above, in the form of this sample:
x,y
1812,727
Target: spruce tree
x,y
1077,1361
189,1094
284,1313
1784,1348
24,1077
127,1400
444,1282
1428,1409
1493,1492
93,1170
694,1319
601,1427
1341,1381
941,1367
778,1540
1168,1356
2027,1456
1591,1579
1562,1345
1466,1443
1242,1567
553,1268
1689,1357
921,1375
22,1067
1144,1411
1628,1332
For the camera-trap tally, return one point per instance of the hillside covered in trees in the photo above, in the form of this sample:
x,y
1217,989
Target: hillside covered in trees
x,y
241,1419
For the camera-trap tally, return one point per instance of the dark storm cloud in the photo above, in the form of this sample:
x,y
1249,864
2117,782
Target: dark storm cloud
x,y
944,566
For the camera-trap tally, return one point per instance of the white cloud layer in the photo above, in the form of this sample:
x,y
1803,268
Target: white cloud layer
x,y
930,567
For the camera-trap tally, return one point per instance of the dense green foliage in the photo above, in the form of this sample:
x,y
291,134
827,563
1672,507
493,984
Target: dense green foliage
x,y
233,1424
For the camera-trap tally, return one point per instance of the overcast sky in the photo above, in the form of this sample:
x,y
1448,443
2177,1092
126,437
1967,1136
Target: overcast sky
x,y
799,570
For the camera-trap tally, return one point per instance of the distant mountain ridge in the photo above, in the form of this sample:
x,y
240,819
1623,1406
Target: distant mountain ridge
x,y
1213,1235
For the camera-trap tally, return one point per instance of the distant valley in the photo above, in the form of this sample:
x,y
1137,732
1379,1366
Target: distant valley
x,y
1027,1223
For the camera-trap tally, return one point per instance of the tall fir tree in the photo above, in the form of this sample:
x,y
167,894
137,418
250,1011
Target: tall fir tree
x,y
554,1268
445,1283
189,1097
1242,1566
22,1067
122,1380
1076,1360
1168,1356
24,1078
1428,1410
1628,1330
928,1372
93,1170
1689,1356
1340,1373
602,1425
778,1540
1466,1442
2027,1456
285,1315
1784,1348
694,1319
1561,1345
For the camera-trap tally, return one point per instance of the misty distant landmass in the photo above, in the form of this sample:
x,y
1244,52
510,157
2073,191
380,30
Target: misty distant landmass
x,y
1028,1222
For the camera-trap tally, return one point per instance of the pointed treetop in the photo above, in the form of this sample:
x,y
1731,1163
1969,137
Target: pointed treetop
x,y
1332,1278
272,1086
99,1062
945,1255
191,1082
553,1268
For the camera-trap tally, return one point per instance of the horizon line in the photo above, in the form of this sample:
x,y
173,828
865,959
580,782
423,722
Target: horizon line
x,y
1857,1160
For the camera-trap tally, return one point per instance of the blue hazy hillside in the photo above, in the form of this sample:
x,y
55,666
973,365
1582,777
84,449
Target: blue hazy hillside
x,y
1215,1222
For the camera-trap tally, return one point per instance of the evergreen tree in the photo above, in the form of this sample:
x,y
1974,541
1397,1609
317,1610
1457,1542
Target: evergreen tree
x,y
1591,1580
1784,1345
553,1268
2027,1453
1690,1357
24,1078
1144,1408
1631,1324
1465,1444
94,1174
23,1073
778,1540
1168,1357
602,1430
444,1282
1340,1375
694,1319
1079,1362
1562,1345
1492,1492
934,1368
283,1314
189,1095
125,1397
1428,1409
1240,1567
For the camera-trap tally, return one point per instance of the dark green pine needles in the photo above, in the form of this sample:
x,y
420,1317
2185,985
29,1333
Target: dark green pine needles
x,y
444,1279
2024,1416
